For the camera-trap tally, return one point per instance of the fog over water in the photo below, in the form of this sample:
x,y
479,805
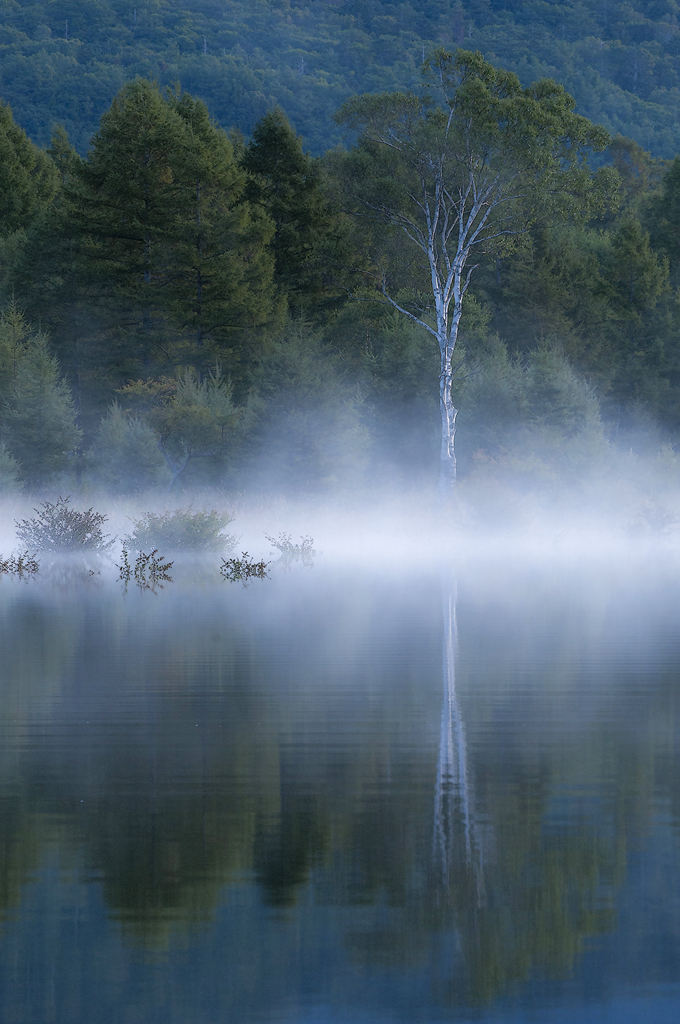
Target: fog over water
x,y
431,776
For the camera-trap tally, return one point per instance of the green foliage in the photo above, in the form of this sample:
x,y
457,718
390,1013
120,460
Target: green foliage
x,y
124,456
287,183
637,274
309,431
10,471
461,172
164,234
59,527
194,419
243,568
161,249
183,530
221,278
638,171
526,149
534,416
664,217
397,366
620,61
38,420
28,179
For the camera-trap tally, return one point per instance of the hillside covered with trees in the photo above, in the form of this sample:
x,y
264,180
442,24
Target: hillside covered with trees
x,y
185,304
62,62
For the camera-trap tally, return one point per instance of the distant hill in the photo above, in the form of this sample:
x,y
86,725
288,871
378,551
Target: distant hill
x,y
62,61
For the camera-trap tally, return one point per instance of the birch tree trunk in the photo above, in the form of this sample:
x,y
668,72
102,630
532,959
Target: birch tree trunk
x,y
447,410
457,173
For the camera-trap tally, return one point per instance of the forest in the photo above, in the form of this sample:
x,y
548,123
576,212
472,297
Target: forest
x,y
197,290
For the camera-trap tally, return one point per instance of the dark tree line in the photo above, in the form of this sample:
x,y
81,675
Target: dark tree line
x,y
184,303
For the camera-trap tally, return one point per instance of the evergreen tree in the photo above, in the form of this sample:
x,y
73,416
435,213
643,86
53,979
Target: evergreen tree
x,y
164,228
125,456
10,470
664,218
287,183
126,196
222,264
28,179
44,272
38,417
635,272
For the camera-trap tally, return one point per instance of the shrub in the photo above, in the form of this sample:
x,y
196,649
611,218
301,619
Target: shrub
x,y
183,530
19,565
149,571
290,552
243,568
58,527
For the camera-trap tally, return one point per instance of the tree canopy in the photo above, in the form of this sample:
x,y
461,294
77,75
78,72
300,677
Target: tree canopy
x,y
457,173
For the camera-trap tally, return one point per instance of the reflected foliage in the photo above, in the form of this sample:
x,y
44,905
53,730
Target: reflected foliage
x,y
217,744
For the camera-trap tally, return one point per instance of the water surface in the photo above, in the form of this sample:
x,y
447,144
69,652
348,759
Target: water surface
x,y
345,794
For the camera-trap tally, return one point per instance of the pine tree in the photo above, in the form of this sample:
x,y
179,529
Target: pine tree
x,y
124,456
10,471
38,417
637,275
28,179
126,195
165,231
664,218
287,183
222,263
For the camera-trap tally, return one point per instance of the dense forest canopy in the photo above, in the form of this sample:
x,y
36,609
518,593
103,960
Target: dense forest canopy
x,y
64,61
191,296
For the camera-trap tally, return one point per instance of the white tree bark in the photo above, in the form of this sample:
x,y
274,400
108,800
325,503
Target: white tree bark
x,y
454,802
450,224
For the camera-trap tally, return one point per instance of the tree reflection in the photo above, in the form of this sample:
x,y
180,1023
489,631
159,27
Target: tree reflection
x,y
217,752
454,803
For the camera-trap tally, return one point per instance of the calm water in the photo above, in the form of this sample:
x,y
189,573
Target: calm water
x,y
342,795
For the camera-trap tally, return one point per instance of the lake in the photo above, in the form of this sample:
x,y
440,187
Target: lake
x,y
349,794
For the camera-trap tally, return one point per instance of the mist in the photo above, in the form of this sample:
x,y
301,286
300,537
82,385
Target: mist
x,y
339,514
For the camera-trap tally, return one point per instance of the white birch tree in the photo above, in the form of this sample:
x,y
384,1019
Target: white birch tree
x,y
456,173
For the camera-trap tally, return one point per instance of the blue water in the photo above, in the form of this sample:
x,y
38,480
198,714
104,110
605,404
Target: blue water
x,y
342,796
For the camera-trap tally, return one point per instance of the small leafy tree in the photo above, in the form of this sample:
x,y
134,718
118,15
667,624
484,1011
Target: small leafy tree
x,y
193,418
455,175
309,431
517,411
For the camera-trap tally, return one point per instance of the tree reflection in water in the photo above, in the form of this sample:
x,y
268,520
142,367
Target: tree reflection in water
x,y
454,800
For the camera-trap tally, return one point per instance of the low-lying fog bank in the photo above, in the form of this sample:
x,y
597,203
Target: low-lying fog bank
x,y
486,519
